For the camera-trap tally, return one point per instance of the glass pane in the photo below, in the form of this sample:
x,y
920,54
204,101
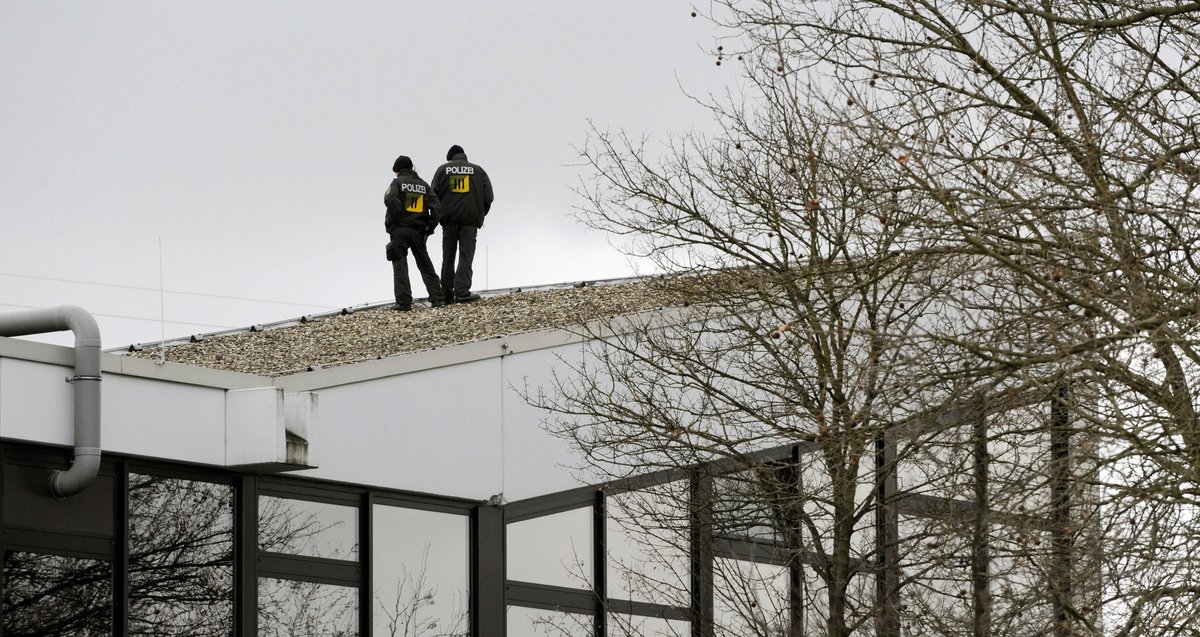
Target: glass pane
x,y
314,529
811,515
290,608
553,549
180,557
648,545
535,622
54,595
1021,568
755,503
640,626
1018,456
938,464
935,564
28,503
860,604
750,598
420,572
938,589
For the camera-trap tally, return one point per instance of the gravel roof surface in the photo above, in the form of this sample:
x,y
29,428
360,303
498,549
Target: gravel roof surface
x,y
378,332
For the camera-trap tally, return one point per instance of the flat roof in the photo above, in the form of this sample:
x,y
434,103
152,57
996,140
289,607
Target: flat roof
x,y
378,331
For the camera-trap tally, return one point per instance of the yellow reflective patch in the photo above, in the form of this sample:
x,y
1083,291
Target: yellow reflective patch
x,y
414,202
460,183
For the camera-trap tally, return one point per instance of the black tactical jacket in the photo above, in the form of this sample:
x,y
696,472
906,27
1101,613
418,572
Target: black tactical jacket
x,y
464,192
410,202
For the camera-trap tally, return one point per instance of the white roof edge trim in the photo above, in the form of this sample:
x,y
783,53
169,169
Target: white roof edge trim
x,y
128,366
477,351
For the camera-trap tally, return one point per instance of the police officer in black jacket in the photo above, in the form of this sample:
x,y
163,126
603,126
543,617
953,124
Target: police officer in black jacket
x,y
409,221
465,193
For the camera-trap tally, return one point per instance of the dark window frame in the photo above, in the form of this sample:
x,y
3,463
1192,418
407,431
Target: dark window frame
x,y
249,563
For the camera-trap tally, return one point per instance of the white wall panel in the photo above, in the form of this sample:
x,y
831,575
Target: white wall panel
x,y
162,419
137,416
536,463
36,402
435,431
255,433
460,430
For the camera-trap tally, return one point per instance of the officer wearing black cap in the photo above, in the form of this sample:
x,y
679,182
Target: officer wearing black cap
x,y
411,205
465,193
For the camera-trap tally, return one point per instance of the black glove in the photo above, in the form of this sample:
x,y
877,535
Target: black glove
x,y
391,251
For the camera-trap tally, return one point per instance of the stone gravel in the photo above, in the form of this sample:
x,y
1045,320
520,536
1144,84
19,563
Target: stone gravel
x,y
379,332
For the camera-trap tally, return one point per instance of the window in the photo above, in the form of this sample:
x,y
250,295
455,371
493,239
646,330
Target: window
x,y
750,598
56,595
648,544
28,504
180,557
58,558
536,622
179,530
754,504
311,529
292,608
309,575
553,549
642,626
420,572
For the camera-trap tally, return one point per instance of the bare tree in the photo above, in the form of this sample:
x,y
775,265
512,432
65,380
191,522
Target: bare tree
x,y
1057,142
920,207
805,324
408,612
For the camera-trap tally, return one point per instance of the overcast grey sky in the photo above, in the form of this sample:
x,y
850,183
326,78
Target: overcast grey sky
x,y
254,140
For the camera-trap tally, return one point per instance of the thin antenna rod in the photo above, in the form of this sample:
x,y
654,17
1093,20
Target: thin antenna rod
x,y
162,313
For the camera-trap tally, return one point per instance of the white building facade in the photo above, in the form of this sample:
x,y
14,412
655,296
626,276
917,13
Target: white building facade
x,y
410,495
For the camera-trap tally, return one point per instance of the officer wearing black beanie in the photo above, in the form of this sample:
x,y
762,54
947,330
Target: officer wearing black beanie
x,y
465,195
409,221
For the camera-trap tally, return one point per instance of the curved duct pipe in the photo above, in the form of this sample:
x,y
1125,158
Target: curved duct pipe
x,y
87,386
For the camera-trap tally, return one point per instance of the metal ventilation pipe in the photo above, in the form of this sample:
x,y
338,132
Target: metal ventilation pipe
x,y
87,386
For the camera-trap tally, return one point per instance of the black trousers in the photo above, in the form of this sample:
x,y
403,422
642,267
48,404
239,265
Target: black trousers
x,y
413,239
460,240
